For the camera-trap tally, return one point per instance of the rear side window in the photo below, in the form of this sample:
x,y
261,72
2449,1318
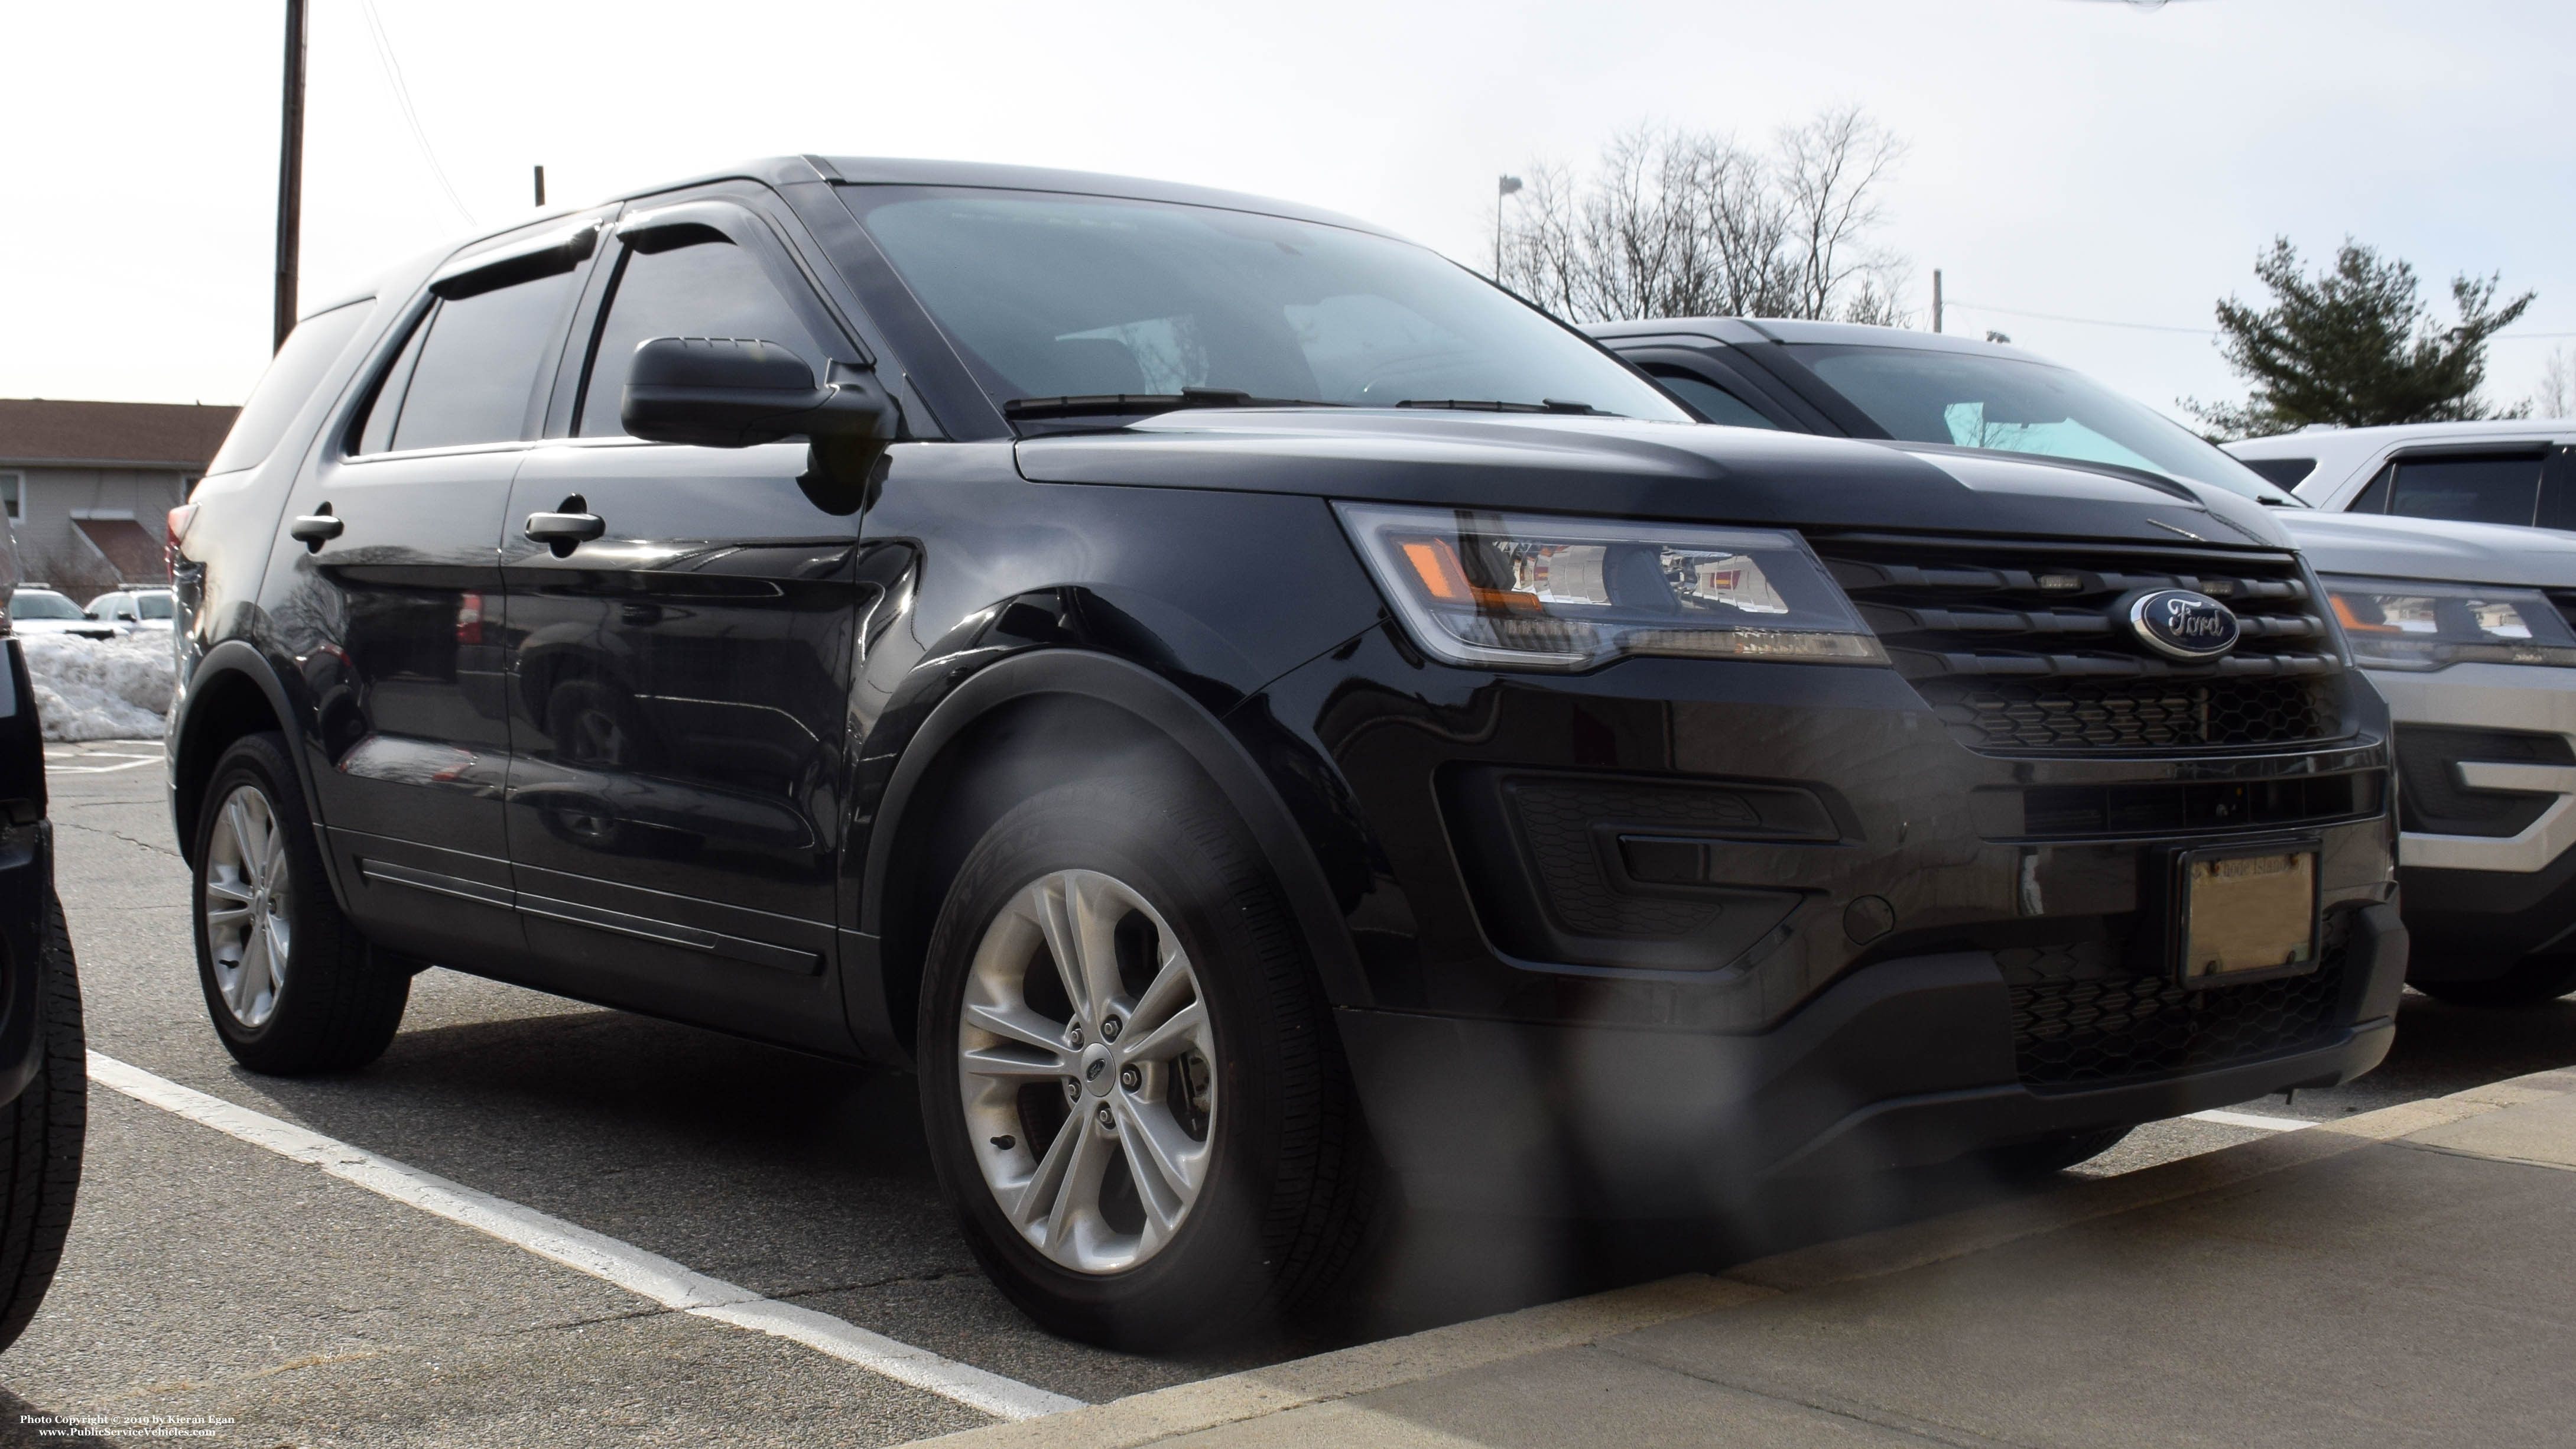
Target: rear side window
x,y
2287,472
1714,404
708,288
468,371
291,377
2502,489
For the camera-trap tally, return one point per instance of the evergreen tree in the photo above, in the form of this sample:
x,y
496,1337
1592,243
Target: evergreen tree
x,y
2354,345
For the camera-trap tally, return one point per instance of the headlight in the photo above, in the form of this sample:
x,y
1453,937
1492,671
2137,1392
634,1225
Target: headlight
x,y
1526,592
2397,624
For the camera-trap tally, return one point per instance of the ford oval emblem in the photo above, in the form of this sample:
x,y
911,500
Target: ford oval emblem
x,y
2180,624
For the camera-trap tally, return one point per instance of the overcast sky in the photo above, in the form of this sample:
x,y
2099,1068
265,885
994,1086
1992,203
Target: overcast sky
x,y
2086,158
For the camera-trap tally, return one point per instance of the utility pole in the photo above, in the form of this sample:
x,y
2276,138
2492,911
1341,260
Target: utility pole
x,y
290,172
1936,299
1503,186
541,188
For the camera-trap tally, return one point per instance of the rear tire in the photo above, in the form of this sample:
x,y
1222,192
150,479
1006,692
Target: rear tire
x,y
291,985
40,1140
1216,1178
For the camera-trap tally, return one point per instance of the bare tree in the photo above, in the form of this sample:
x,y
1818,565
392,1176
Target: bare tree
x,y
2556,395
1678,223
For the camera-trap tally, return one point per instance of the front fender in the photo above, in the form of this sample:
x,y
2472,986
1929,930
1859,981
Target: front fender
x,y
974,689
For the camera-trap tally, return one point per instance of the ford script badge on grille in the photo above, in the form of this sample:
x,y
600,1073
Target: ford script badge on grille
x,y
2180,624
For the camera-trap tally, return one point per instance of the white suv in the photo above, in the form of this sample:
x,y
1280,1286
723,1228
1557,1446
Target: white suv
x,y
2508,470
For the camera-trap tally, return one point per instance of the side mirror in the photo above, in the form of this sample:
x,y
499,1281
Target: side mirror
x,y
734,392
126,617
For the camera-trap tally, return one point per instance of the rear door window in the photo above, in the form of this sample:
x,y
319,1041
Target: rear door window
x,y
468,372
2468,489
1713,403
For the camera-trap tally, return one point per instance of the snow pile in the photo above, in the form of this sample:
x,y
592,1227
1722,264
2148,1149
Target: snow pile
x,y
101,689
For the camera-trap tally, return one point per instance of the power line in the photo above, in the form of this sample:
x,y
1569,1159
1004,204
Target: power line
x,y
402,98
2200,331
2085,321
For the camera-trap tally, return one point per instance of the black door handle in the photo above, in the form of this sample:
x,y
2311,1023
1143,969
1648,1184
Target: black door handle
x,y
313,529
563,530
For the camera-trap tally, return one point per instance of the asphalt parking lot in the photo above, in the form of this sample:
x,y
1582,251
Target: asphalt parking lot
x,y
214,1280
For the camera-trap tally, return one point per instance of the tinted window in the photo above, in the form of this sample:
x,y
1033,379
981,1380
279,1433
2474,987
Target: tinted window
x,y
1982,400
290,379
710,289
2471,490
2285,471
1046,296
376,430
44,606
152,606
470,368
1713,403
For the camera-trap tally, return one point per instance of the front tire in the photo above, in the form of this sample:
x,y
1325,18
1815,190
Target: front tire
x,y
41,1134
291,985
1132,1089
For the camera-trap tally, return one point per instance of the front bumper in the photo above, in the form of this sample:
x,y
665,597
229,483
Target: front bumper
x,y
2478,904
1902,1063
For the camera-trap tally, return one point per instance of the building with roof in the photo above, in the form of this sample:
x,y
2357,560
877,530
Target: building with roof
x,y
86,485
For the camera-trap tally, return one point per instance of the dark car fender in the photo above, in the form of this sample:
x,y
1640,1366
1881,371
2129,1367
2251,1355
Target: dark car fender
x,y
230,683
878,984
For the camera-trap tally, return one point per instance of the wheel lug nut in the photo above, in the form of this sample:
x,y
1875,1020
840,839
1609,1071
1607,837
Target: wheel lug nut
x,y
1072,1090
1074,1038
1130,1078
1108,1123
1109,1029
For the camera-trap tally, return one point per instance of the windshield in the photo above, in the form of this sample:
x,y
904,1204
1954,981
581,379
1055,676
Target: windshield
x,y
2016,406
1058,296
43,606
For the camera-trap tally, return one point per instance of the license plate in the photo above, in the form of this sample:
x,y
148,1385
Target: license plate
x,y
2247,914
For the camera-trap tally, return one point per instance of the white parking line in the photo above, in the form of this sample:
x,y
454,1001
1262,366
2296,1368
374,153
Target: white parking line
x,y
2256,1120
131,763
632,1268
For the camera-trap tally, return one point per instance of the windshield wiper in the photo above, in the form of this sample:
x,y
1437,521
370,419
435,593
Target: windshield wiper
x,y
1143,404
1488,405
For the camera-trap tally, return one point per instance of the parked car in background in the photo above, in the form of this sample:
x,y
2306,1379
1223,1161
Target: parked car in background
x,y
1235,698
36,610
2503,470
44,1068
132,610
2464,627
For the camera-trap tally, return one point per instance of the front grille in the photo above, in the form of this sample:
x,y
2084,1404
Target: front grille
x,y
2167,807
2026,647
2078,1026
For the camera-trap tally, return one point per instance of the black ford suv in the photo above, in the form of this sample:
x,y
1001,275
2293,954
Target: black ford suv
x,y
1241,704
44,1068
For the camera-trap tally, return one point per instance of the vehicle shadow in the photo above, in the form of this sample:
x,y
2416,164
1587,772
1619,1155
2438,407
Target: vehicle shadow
x,y
809,1180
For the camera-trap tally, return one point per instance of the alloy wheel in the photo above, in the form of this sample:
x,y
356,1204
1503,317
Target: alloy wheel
x,y
249,905
1087,1066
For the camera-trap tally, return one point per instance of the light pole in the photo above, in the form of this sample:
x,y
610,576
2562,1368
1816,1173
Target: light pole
x,y
290,171
1503,186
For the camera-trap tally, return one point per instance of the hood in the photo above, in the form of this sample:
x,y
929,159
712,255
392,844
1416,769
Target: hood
x,y
2433,549
1624,468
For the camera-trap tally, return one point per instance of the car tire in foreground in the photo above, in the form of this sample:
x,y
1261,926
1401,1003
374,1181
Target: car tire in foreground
x,y
291,985
41,1134
1133,1091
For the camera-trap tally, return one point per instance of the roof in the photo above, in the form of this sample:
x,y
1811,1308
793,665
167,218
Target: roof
x,y
2311,438
43,430
1789,329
